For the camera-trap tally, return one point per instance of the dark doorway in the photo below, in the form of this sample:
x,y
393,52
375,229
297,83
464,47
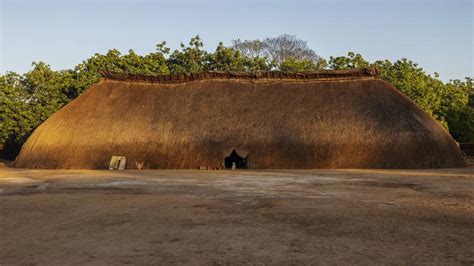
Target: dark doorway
x,y
234,157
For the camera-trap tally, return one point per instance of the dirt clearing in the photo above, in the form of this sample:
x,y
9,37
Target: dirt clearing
x,y
216,217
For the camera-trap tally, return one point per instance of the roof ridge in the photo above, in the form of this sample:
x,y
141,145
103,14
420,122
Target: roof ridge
x,y
188,77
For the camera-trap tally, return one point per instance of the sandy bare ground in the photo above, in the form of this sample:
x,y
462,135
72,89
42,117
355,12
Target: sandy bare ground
x,y
219,217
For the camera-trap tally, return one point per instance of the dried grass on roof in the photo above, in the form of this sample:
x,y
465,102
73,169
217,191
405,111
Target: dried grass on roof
x,y
342,119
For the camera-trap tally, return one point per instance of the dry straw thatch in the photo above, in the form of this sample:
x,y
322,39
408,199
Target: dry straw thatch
x,y
324,119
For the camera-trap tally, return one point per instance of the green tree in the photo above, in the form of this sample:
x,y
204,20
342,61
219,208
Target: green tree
x,y
16,118
294,65
352,60
48,89
225,59
150,64
255,64
231,59
460,111
190,59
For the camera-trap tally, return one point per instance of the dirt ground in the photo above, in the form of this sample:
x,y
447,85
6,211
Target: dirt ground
x,y
231,217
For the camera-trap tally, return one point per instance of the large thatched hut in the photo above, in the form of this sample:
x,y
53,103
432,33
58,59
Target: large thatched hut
x,y
324,119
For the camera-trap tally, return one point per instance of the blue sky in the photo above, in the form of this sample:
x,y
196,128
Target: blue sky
x,y
437,34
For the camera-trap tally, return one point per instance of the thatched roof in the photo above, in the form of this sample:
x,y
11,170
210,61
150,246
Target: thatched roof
x,y
324,119
188,77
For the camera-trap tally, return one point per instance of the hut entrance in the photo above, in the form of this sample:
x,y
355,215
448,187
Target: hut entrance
x,y
234,157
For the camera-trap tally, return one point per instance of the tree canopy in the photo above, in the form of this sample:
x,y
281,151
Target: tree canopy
x,y
285,52
27,100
